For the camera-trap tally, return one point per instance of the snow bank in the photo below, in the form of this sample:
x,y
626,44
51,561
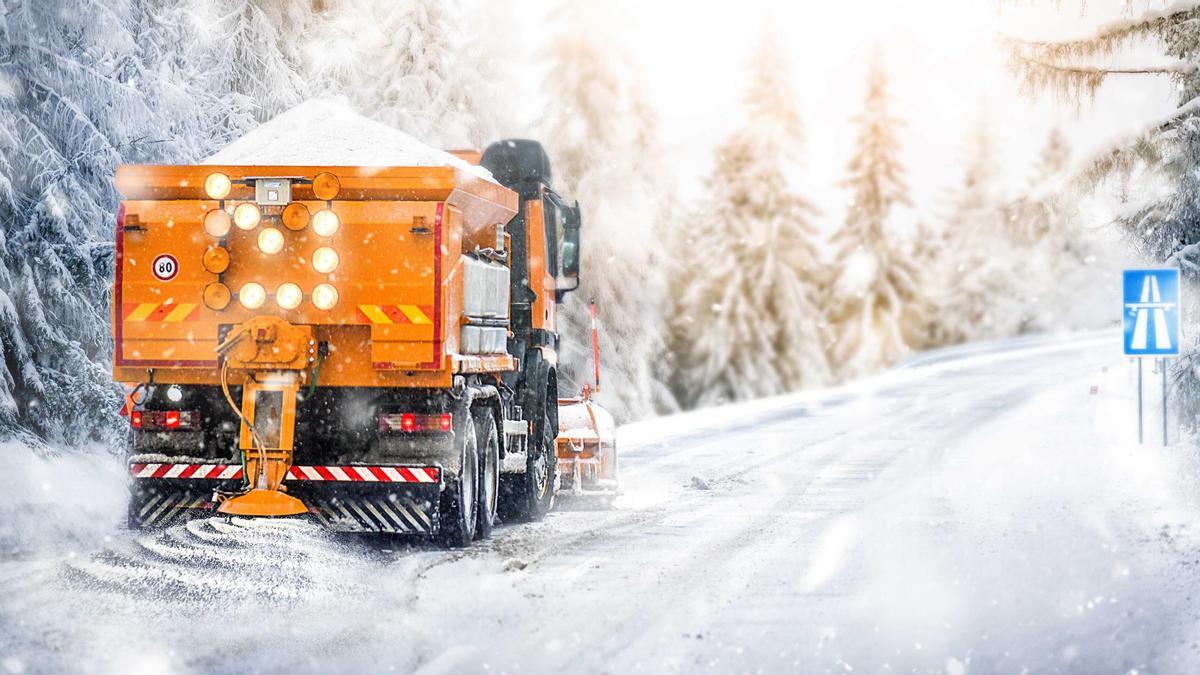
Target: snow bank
x,y
326,132
58,500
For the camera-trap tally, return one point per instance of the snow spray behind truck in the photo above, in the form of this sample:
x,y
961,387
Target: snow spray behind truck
x,y
374,346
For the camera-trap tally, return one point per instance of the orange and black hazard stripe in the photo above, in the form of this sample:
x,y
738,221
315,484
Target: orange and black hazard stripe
x,y
164,312
395,314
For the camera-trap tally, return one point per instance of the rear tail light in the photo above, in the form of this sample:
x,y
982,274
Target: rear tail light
x,y
415,422
164,420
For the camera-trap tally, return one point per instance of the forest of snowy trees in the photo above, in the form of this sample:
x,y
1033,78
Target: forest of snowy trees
x,y
746,292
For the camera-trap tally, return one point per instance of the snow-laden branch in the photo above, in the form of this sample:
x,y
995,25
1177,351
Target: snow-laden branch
x,y
1067,68
1160,124
1174,67
1121,151
1108,35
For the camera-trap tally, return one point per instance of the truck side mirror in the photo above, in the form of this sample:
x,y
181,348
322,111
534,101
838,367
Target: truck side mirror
x,y
570,246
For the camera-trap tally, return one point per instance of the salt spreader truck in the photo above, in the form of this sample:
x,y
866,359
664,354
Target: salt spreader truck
x,y
374,346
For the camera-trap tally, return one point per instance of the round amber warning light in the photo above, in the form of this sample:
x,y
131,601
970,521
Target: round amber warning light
x,y
270,241
325,260
216,259
326,186
295,216
247,215
324,296
217,186
252,295
217,223
289,296
216,296
325,223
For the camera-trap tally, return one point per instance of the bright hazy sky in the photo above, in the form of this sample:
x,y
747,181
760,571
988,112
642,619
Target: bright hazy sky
x,y
946,69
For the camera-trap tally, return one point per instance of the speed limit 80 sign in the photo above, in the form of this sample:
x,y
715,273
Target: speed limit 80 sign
x,y
165,267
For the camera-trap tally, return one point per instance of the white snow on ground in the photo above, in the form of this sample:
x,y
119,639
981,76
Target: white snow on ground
x,y
70,499
327,132
977,511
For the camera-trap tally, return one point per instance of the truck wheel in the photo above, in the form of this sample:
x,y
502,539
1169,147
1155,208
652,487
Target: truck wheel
x,y
488,443
529,496
543,465
460,500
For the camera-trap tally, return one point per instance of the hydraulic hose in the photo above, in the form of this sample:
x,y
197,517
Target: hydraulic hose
x,y
255,439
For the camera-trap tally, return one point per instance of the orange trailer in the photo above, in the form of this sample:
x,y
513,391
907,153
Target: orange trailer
x,y
375,346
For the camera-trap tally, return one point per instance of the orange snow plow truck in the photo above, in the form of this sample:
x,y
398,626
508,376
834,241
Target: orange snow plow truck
x,y
372,346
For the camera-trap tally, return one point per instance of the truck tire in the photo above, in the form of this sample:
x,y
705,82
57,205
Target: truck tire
x,y
460,500
529,496
543,465
488,442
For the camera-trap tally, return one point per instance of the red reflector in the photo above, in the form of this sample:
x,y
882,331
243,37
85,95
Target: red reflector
x,y
414,422
164,420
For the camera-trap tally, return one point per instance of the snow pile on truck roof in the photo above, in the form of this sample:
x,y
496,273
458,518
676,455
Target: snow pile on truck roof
x,y
327,132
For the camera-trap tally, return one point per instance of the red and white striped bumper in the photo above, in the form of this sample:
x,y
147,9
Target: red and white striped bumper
x,y
345,498
347,473
369,474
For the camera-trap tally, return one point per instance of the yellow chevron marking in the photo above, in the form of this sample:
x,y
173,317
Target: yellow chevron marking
x,y
143,310
415,314
180,312
375,314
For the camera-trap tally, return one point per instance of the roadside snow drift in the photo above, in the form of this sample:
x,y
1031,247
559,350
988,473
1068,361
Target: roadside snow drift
x,y
52,501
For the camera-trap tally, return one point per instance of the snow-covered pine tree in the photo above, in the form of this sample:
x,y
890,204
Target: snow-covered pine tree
x,y
973,286
1031,217
411,65
926,253
660,194
263,45
1163,225
601,144
1042,228
1052,161
747,319
876,281
1057,219
1059,252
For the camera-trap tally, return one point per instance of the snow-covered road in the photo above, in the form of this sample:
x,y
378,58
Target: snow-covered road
x,y
981,510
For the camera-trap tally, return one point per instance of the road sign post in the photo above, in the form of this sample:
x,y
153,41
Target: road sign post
x,y
1151,321
1163,370
1140,416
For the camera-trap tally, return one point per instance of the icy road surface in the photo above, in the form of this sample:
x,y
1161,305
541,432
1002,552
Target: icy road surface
x,y
980,510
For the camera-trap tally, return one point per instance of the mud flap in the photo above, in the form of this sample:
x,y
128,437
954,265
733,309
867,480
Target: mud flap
x,y
365,507
163,503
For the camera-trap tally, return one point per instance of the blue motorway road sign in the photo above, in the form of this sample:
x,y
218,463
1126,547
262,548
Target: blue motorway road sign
x,y
1151,312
